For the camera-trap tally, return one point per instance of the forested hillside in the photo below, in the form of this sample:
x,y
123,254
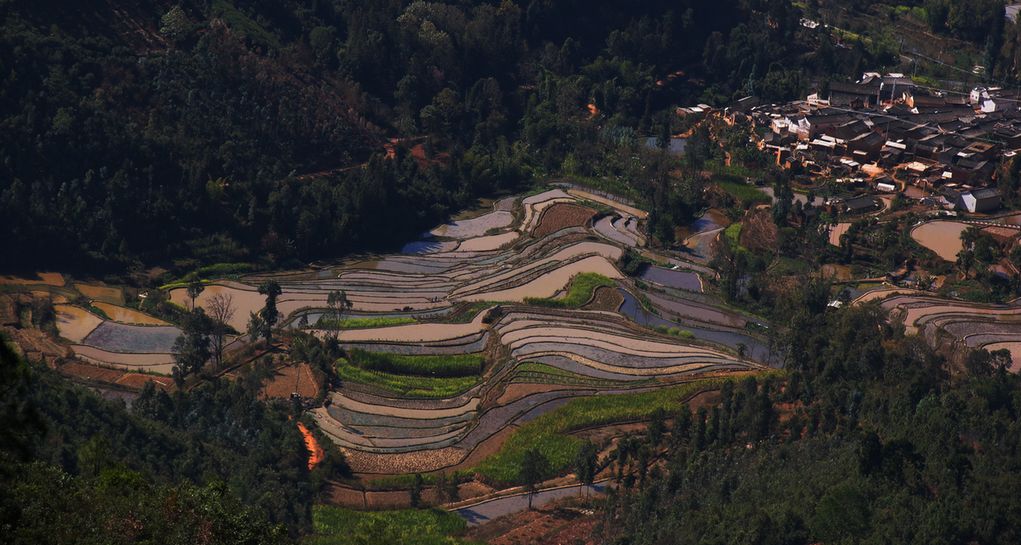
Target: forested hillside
x,y
156,133
78,468
867,440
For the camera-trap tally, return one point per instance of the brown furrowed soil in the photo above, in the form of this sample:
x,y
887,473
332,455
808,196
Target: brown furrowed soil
x,y
290,379
606,298
561,216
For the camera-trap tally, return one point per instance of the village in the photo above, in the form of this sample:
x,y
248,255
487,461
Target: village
x,y
887,135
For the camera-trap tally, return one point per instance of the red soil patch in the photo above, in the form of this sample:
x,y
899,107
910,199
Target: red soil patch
x,y
290,379
315,452
394,499
561,216
344,496
560,523
90,372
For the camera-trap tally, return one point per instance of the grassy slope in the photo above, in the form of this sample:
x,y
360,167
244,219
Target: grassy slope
x,y
548,433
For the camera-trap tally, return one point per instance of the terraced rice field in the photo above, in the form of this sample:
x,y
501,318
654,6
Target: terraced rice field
x,y
838,231
671,278
536,358
75,323
562,216
126,315
114,344
39,279
942,237
108,294
482,327
968,325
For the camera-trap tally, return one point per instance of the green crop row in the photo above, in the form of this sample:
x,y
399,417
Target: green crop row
x,y
454,365
409,386
325,322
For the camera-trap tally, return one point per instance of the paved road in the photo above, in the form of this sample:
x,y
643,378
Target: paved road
x,y
486,511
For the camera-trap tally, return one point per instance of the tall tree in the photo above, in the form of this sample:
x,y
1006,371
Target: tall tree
x,y
416,491
338,303
221,310
191,349
195,289
585,464
269,313
534,467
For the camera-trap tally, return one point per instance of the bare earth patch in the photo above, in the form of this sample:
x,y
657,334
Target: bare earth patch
x,y
289,379
606,298
561,216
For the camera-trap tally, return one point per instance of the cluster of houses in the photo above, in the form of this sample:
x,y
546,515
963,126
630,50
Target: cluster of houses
x,y
888,134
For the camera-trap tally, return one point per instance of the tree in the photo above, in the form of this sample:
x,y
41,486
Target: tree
x,y
446,488
585,463
195,289
416,491
191,349
338,303
221,311
534,467
269,313
175,24
657,426
255,326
